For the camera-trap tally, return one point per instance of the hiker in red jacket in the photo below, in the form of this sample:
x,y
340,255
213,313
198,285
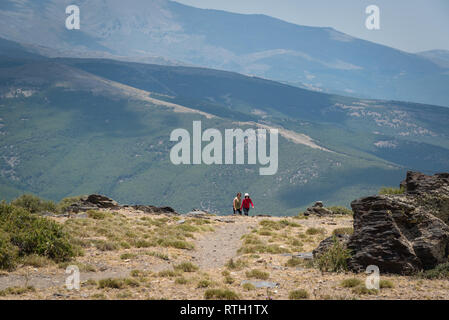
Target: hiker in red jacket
x,y
246,203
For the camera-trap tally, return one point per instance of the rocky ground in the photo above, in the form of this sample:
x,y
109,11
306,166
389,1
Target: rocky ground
x,y
242,257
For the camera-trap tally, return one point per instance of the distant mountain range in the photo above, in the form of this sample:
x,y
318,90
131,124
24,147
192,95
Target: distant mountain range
x,y
440,57
166,32
71,126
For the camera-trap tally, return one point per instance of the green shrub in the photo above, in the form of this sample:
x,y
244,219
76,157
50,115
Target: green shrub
x,y
220,294
248,286
204,283
67,202
351,283
386,284
186,267
16,291
111,283
34,204
299,294
257,274
117,283
168,273
313,231
441,271
340,210
97,215
362,289
389,191
33,234
181,280
236,265
334,259
8,253
293,262
126,256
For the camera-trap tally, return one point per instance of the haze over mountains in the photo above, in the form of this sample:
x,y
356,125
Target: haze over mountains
x,y
166,32
77,126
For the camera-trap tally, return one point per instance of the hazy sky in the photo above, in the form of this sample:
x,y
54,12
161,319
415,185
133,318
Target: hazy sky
x,y
410,25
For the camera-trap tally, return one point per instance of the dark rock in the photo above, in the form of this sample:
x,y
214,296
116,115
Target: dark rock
x,y
402,233
318,209
154,210
100,201
96,201
416,182
92,202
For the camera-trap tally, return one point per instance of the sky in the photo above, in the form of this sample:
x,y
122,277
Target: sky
x,y
409,25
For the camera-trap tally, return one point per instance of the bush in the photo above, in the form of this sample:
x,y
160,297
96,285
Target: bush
x,y
97,215
111,283
220,294
16,291
313,231
204,283
34,204
33,234
386,284
341,210
248,286
8,253
67,202
235,265
298,294
117,283
186,267
334,259
293,262
441,271
364,290
389,190
351,283
257,274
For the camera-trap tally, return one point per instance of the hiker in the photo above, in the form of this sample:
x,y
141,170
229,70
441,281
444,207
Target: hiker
x,y
237,204
246,203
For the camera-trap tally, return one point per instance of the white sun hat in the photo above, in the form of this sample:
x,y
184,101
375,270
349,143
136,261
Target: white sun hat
x,y
246,194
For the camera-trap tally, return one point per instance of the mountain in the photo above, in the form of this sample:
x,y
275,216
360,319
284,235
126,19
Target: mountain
x,y
440,57
321,59
77,126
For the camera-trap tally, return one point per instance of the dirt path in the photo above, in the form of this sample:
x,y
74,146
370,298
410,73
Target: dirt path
x,y
215,249
212,250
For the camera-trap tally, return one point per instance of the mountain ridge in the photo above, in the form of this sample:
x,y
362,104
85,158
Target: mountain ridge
x,y
313,57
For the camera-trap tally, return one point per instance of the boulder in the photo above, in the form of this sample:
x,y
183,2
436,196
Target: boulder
x,y
96,201
318,209
100,201
154,210
401,233
92,202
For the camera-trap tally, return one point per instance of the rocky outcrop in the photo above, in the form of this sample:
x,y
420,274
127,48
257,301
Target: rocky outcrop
x,y
318,209
401,233
96,201
153,209
92,202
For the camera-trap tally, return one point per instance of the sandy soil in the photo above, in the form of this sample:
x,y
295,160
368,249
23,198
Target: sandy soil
x,y
214,246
